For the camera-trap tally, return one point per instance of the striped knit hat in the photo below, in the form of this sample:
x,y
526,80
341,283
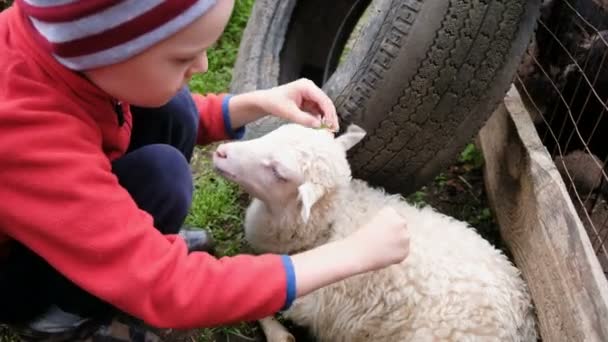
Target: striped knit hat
x,y
84,34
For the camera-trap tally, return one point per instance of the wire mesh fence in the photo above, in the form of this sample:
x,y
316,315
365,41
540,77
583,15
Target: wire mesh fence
x,y
563,80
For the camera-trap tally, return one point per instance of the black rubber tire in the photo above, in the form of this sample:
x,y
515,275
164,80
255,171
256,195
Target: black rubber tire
x,y
421,79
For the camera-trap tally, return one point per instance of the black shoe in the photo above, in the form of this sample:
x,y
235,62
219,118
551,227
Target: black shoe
x,y
116,330
56,325
198,240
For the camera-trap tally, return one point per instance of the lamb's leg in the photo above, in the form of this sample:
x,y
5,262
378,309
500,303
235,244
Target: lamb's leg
x,y
275,331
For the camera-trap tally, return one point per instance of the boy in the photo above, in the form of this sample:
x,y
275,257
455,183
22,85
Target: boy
x,y
97,131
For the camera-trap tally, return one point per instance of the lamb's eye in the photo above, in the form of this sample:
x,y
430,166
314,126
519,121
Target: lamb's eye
x,y
277,174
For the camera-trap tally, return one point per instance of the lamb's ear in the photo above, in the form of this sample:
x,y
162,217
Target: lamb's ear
x,y
308,195
351,137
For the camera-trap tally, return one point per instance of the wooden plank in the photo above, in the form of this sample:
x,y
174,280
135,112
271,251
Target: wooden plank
x,y
540,226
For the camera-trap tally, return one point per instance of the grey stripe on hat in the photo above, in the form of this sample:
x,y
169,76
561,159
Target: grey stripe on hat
x,y
95,23
49,3
124,51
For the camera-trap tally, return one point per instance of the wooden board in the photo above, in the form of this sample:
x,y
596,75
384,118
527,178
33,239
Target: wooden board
x,y
540,226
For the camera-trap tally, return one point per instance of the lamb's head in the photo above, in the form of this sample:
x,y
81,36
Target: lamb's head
x,y
290,166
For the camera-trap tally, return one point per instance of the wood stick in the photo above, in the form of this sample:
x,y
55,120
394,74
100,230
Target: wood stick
x,y
275,331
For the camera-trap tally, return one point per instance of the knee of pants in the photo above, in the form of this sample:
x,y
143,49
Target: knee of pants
x,y
159,179
175,123
184,114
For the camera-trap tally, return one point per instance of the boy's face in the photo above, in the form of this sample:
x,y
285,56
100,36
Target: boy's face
x,y
153,77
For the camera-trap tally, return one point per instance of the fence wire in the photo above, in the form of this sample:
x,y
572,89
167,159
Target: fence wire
x,y
563,80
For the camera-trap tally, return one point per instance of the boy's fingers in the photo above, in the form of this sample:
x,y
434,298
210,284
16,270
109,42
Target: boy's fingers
x,y
297,115
311,107
309,119
314,94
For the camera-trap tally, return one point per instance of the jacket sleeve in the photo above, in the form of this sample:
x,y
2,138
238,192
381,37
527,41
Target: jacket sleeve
x,y
214,123
61,199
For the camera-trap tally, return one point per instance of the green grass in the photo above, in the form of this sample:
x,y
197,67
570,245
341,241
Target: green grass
x,y
6,335
472,156
218,204
223,54
242,332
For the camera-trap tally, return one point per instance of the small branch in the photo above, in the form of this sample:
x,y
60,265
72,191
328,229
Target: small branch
x,y
275,331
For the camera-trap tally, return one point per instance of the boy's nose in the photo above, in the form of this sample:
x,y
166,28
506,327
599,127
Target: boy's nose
x,y
201,65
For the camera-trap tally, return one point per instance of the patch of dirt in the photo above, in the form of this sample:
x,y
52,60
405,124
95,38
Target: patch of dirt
x,y
460,192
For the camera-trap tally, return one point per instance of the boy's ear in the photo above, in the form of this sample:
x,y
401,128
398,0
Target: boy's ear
x,y
353,135
308,195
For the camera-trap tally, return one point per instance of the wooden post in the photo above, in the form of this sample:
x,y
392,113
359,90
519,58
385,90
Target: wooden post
x,y
541,228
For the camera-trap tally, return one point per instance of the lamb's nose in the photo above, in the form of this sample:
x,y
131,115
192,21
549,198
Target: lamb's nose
x,y
221,153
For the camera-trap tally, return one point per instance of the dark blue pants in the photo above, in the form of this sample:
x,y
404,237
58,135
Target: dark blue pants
x,y
155,170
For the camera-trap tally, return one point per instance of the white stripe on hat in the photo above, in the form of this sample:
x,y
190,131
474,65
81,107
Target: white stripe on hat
x,y
95,23
49,3
121,52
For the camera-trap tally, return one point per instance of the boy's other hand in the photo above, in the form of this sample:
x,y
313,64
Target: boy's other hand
x,y
385,237
381,242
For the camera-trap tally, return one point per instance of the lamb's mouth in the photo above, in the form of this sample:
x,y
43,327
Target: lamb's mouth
x,y
224,173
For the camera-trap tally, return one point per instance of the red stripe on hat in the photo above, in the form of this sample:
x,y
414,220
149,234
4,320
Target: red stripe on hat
x,y
67,12
125,32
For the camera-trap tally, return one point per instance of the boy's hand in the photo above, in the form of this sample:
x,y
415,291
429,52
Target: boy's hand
x,y
301,102
382,241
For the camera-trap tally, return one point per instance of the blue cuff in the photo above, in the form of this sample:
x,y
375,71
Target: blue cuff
x,y
291,281
239,133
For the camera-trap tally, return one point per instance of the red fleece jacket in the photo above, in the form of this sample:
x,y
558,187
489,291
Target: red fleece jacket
x,y
58,136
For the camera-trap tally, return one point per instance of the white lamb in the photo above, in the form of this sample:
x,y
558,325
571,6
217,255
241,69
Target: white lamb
x,y
454,285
